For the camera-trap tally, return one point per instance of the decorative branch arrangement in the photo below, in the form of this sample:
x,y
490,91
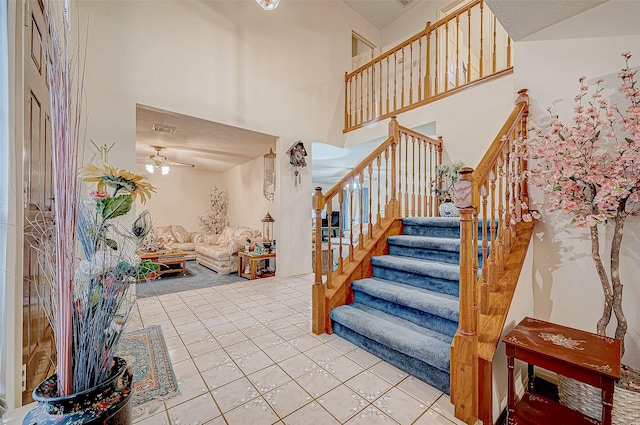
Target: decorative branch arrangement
x,y
590,171
216,219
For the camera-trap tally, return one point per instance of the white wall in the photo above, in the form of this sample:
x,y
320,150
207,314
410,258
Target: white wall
x,y
412,23
181,196
247,204
565,284
278,72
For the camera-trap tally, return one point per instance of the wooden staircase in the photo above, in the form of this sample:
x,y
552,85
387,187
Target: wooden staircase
x,y
398,180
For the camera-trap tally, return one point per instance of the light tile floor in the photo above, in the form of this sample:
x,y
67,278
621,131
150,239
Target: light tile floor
x,y
244,353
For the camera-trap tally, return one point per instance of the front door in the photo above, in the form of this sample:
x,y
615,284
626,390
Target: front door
x,y
37,341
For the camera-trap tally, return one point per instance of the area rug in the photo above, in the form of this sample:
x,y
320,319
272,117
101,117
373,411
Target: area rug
x,y
154,381
198,277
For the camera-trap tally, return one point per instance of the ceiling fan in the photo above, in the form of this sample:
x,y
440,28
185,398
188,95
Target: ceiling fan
x,y
160,162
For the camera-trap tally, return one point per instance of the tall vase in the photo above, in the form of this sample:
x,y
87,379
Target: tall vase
x,y
107,403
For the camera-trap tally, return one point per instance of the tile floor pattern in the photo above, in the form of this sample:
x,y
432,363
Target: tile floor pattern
x,y
244,353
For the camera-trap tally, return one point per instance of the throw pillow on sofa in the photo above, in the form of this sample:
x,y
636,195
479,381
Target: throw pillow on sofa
x,y
180,233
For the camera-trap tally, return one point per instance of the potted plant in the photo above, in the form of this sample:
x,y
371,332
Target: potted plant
x,y
87,294
589,170
446,178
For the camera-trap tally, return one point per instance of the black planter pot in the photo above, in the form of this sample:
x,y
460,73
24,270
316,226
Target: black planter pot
x,y
107,403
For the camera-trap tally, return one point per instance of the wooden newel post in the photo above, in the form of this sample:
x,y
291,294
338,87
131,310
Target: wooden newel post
x,y
463,199
464,350
318,297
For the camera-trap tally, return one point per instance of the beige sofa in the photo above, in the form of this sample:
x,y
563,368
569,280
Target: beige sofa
x,y
176,236
220,252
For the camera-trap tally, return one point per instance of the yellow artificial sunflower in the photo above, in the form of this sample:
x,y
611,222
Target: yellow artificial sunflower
x,y
120,180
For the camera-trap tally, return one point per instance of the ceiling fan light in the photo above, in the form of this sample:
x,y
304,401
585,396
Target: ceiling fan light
x,y
165,169
150,168
268,4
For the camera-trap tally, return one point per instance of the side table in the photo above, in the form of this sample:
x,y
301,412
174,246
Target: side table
x,y
583,356
253,264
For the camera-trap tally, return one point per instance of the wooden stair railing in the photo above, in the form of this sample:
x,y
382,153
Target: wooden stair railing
x,y
463,48
394,181
495,221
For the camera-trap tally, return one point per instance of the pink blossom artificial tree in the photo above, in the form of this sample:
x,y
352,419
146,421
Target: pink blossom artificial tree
x,y
591,172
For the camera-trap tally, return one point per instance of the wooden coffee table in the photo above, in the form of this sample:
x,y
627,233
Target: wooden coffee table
x,y
171,261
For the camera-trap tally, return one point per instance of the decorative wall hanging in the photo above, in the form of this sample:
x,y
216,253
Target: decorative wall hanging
x,y
296,153
269,183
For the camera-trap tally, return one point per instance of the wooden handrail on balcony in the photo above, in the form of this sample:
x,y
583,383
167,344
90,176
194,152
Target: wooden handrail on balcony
x,y
466,47
396,180
494,220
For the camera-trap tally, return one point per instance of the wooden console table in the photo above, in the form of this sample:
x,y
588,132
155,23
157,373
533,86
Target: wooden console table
x,y
172,261
253,264
583,356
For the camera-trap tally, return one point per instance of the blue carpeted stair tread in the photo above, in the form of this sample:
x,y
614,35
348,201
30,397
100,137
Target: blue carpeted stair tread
x,y
425,242
418,266
432,221
389,331
437,304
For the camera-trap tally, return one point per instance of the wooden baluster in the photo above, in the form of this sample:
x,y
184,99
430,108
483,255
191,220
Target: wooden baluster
x,y
432,170
494,244
507,202
427,78
494,50
406,176
436,88
361,97
367,101
469,45
378,216
370,171
380,112
474,258
360,188
484,291
457,50
420,69
395,81
403,66
351,220
386,178
341,226
399,171
501,226
413,177
508,52
446,56
329,203
436,206
481,59
394,131
346,99
419,200
318,291
411,74
387,92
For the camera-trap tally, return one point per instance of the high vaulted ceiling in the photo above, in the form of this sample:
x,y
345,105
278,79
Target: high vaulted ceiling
x,y
381,12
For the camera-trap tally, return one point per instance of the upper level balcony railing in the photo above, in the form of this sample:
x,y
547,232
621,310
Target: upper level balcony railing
x,y
466,46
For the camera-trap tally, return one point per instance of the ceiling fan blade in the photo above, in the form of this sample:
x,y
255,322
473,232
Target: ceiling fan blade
x,y
180,164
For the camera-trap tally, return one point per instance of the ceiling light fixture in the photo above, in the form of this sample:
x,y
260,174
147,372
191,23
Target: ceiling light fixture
x,y
153,165
268,4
